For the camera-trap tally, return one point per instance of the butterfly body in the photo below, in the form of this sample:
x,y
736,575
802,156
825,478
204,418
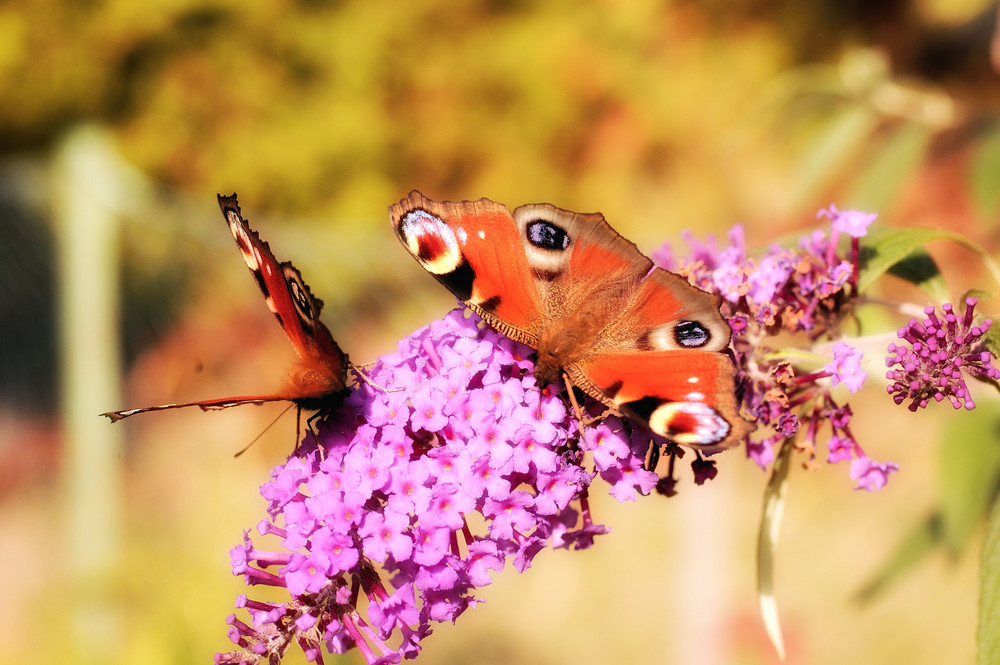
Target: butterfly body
x,y
318,378
638,338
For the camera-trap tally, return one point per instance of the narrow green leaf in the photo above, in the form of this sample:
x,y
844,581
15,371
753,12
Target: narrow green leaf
x,y
988,633
978,294
832,148
767,545
917,544
970,472
883,248
892,161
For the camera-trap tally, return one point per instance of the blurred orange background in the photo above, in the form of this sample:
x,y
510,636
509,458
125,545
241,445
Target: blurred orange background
x,y
120,287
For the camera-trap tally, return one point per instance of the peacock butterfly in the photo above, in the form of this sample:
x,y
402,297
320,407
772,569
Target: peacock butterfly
x,y
641,340
318,379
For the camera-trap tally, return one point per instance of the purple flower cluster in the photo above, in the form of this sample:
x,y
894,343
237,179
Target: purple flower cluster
x,y
793,290
807,290
369,525
936,353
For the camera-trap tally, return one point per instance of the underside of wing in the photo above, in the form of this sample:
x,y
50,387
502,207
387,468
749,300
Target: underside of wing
x,y
204,405
317,396
286,294
288,297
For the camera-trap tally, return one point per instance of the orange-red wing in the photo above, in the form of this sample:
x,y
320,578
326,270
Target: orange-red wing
x,y
685,395
474,249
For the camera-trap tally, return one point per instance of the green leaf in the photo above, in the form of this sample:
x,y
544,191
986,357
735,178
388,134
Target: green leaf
x,y
970,475
988,633
917,544
883,248
978,294
767,545
992,340
970,471
920,269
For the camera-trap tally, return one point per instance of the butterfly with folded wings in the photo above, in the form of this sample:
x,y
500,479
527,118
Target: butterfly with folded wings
x,y
318,378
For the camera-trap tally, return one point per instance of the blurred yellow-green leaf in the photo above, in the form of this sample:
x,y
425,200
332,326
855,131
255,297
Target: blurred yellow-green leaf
x,y
883,249
970,473
985,170
988,632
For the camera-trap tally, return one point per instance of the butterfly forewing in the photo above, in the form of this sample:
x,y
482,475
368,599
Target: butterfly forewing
x,y
473,248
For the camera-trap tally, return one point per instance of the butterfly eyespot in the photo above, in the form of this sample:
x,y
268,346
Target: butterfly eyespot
x,y
305,306
301,302
689,423
431,241
490,304
691,334
546,235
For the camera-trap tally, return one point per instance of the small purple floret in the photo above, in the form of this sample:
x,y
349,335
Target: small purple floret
x,y
846,367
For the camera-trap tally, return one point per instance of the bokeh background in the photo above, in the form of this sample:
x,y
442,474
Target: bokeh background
x,y
120,287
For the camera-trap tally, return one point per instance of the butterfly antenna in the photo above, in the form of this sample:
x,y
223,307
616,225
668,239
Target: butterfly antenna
x,y
367,379
269,426
582,419
577,411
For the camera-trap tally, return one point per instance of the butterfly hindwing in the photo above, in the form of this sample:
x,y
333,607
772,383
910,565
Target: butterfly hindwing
x,y
684,395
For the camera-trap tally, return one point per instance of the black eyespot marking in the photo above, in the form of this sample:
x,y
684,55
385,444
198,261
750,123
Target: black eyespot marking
x,y
644,407
691,334
301,300
613,389
459,281
644,343
307,308
546,235
491,304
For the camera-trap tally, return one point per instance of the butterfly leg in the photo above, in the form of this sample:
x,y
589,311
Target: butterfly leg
x,y
577,411
310,421
298,427
360,373
582,419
